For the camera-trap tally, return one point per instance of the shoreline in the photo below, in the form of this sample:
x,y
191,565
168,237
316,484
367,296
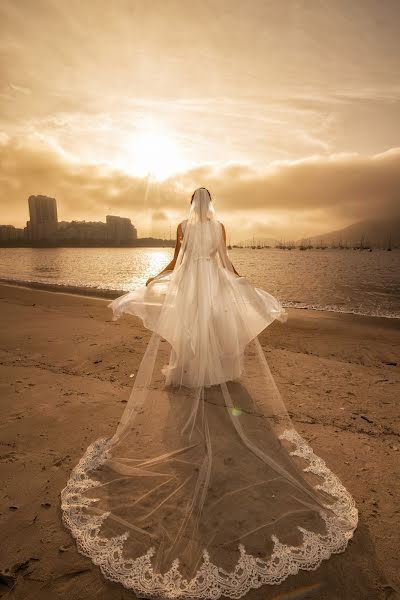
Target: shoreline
x,y
103,294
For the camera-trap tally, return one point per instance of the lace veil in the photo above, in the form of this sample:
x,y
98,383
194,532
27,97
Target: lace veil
x,y
206,488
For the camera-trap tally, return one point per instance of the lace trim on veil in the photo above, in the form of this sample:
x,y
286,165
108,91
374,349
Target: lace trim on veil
x,y
210,580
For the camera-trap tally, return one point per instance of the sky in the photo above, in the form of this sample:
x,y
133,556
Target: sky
x,y
288,111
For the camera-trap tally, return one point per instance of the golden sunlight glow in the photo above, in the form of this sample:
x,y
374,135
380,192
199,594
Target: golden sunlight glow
x,y
155,153
152,261
158,260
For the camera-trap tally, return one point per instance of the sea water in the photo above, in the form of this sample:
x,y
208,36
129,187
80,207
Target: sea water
x,y
350,281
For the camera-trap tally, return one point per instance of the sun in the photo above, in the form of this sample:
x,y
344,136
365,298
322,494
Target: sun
x,y
155,153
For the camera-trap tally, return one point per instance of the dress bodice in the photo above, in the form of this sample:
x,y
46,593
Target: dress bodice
x,y
209,242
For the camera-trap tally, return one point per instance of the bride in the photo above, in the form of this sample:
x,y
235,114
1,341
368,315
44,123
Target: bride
x,y
205,489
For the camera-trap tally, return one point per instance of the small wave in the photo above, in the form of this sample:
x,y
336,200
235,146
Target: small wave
x,y
378,312
105,294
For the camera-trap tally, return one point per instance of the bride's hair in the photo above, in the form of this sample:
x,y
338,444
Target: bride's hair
x,y
202,188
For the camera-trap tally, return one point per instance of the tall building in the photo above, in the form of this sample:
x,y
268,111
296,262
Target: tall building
x,y
43,221
120,229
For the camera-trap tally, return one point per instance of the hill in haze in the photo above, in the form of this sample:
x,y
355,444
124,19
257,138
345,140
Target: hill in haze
x,y
373,232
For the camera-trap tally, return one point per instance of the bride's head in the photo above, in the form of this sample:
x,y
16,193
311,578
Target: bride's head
x,y
201,206
198,192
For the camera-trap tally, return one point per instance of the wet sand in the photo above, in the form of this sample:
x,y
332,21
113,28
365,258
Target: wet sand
x,y
65,377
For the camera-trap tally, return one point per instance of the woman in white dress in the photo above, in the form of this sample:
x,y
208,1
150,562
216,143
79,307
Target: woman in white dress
x,y
206,488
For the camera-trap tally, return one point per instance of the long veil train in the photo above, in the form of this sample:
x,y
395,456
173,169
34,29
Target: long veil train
x,y
206,488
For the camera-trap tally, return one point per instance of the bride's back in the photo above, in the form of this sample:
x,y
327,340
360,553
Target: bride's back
x,y
203,238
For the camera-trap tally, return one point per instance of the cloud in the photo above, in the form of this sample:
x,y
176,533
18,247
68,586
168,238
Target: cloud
x,y
304,197
347,185
308,196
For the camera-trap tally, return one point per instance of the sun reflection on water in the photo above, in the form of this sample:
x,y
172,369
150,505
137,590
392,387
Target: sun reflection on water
x,y
153,260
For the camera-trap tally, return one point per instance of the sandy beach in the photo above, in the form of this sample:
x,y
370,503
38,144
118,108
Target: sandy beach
x,y
66,376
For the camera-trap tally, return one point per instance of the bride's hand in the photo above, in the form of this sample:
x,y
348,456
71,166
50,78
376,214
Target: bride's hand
x,y
149,279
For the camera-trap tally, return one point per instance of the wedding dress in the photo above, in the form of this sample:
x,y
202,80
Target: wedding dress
x,y
206,488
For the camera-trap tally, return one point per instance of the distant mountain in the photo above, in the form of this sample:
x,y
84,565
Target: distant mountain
x,y
373,232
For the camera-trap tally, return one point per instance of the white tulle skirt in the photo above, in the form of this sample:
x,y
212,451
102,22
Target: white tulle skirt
x,y
207,328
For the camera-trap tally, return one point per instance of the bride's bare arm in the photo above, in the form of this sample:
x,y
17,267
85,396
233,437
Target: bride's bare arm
x,y
170,266
224,235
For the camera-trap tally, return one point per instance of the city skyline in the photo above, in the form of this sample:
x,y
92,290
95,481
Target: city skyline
x,y
289,113
43,226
